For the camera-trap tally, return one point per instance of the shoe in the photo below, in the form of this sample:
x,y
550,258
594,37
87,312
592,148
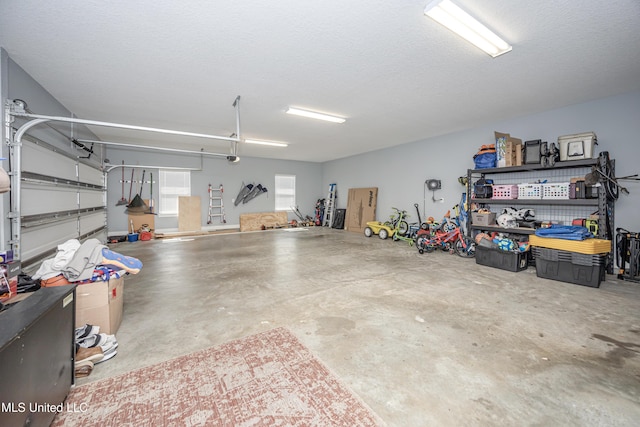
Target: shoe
x,y
96,340
93,354
111,344
108,354
83,369
86,331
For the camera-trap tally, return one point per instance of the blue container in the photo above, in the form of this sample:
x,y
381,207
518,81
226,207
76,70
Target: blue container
x,y
132,237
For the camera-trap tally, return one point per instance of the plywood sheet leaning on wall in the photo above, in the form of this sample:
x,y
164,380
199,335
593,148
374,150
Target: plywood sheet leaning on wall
x,y
361,208
189,215
255,221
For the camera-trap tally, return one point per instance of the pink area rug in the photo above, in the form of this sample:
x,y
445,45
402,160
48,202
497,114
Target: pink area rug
x,y
268,379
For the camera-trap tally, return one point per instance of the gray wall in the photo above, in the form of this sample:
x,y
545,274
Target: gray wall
x,y
400,172
215,171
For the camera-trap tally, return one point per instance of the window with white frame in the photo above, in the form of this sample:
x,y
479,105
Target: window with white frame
x,y
172,184
285,192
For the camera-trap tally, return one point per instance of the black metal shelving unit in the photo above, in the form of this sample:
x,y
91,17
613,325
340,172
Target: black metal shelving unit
x,y
604,206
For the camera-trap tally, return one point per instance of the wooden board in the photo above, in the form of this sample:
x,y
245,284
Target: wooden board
x,y
255,221
361,208
189,215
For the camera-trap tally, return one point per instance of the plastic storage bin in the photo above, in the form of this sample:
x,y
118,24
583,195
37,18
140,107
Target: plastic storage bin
x,y
504,260
504,192
571,267
587,246
577,146
557,190
529,191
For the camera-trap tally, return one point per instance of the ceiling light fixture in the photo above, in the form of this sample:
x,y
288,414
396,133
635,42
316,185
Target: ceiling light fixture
x,y
270,143
463,24
314,115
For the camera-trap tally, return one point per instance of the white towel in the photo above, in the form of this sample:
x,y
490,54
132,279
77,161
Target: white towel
x,y
65,253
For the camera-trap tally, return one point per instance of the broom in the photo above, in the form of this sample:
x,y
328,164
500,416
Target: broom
x,y
151,205
122,201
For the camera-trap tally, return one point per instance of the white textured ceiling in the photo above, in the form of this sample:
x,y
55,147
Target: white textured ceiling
x,y
396,75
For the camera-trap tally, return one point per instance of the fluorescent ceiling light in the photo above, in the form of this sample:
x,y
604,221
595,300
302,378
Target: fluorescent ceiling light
x,y
314,115
261,142
463,24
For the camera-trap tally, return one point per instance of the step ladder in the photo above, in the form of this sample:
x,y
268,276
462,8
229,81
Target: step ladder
x,y
216,204
330,206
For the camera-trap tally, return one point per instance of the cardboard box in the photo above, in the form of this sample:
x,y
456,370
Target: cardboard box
x,y
100,304
9,279
143,219
483,218
501,147
508,150
361,208
513,148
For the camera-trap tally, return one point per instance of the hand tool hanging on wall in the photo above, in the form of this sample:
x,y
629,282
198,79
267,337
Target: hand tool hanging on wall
x,y
122,200
137,205
151,193
255,192
604,172
246,189
131,184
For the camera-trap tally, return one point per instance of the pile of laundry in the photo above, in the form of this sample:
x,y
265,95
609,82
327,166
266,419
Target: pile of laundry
x,y
85,262
92,348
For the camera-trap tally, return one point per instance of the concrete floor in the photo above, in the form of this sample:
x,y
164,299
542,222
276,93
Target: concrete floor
x,y
424,340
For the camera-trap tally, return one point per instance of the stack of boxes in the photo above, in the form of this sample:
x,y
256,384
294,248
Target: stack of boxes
x,y
508,150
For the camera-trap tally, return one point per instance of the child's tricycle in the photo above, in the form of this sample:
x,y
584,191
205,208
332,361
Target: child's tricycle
x,y
376,227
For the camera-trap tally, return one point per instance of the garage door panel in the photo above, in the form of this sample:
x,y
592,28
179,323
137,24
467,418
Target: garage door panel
x,y
91,199
39,240
89,223
44,199
43,161
90,175
61,198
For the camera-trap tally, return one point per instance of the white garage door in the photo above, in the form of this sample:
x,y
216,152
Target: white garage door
x,y
62,197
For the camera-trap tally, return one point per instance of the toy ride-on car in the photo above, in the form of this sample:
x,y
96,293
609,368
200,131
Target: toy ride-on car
x,y
376,227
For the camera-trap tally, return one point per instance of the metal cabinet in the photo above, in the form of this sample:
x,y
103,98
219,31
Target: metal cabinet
x,y
37,356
